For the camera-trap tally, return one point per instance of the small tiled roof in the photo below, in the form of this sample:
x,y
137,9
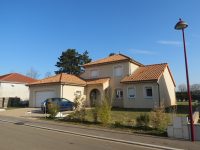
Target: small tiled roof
x,y
16,77
97,81
61,78
112,59
147,73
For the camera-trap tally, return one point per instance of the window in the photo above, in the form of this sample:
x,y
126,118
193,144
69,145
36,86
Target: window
x,y
148,92
119,93
131,92
77,93
118,71
94,73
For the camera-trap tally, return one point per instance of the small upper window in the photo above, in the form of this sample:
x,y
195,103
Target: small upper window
x,y
94,73
118,71
131,92
119,93
148,92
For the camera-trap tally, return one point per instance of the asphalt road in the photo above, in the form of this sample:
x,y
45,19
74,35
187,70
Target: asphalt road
x,y
19,137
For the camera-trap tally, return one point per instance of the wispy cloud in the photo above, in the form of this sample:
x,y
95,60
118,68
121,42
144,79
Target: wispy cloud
x,y
143,52
165,42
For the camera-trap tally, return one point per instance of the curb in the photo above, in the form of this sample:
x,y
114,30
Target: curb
x,y
94,137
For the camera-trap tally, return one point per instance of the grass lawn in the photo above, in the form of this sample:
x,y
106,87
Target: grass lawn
x,y
121,115
125,119
128,116
186,103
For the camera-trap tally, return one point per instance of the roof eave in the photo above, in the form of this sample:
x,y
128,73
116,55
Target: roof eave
x,y
61,83
139,81
74,84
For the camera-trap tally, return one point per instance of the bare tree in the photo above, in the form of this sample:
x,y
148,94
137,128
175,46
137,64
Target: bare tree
x,y
47,74
32,73
182,87
195,87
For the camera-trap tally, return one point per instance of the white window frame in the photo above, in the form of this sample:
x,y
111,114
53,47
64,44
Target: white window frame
x,y
145,91
118,92
77,93
115,71
128,94
94,75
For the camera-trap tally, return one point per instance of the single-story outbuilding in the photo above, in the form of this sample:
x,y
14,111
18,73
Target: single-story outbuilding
x,y
14,85
61,85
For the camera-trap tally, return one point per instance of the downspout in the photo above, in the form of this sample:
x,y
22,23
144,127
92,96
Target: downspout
x,y
61,85
159,94
62,90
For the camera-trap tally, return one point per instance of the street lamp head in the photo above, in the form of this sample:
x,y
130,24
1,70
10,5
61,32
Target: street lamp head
x,y
181,25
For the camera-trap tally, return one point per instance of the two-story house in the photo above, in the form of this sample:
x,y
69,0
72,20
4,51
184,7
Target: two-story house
x,y
130,83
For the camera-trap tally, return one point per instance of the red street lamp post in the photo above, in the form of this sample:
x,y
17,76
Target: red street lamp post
x,y
181,25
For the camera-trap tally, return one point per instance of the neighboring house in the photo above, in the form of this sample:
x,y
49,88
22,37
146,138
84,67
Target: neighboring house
x,y
14,85
130,83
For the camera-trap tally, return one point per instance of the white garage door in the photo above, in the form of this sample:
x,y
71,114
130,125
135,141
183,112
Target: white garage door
x,y
41,96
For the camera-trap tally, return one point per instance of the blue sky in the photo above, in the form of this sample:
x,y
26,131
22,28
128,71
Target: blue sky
x,y
33,33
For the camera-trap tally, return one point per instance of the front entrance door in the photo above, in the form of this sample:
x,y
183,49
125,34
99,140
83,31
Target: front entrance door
x,y
95,97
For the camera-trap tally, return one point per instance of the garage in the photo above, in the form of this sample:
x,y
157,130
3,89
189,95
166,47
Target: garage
x,y
61,85
43,95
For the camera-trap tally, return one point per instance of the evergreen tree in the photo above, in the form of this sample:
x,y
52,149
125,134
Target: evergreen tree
x,y
84,59
111,54
71,62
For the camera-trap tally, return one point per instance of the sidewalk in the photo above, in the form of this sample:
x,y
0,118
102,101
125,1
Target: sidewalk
x,y
31,113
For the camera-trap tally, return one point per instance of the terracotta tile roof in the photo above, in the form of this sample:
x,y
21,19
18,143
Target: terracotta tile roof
x,y
112,59
61,78
97,81
147,73
16,77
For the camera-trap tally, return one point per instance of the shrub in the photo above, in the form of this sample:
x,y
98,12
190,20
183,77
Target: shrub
x,y
95,112
79,113
53,109
118,124
159,119
105,111
131,122
102,110
143,120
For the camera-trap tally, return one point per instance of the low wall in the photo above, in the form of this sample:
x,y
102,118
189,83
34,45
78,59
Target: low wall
x,y
180,128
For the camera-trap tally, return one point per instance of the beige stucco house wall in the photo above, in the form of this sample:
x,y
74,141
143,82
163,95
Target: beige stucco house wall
x,y
70,91
167,89
140,101
108,70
